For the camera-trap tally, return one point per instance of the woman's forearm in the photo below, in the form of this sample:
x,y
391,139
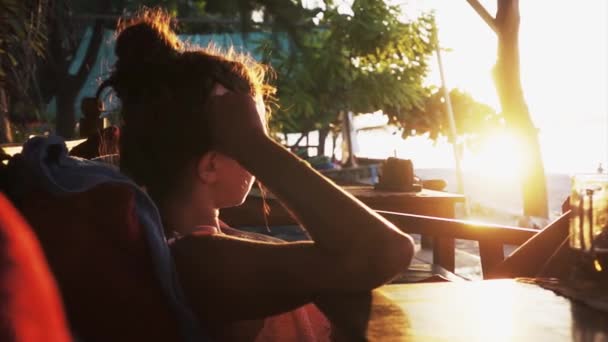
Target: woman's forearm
x,y
338,223
346,233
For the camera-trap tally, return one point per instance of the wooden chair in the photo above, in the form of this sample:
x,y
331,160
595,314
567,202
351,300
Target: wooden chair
x,y
536,247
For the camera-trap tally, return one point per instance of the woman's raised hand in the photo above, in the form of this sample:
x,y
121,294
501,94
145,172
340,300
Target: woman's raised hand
x,y
235,121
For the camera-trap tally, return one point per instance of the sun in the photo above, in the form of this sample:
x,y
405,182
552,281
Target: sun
x,y
500,158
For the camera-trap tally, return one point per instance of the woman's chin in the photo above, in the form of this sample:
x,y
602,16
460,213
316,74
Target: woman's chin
x,y
232,204
242,200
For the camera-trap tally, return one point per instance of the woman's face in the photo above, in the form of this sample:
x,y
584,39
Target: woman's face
x,y
233,181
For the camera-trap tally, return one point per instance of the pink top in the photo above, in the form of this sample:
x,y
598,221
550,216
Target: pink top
x,y
305,324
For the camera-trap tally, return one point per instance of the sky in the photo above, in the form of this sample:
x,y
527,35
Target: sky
x,y
564,70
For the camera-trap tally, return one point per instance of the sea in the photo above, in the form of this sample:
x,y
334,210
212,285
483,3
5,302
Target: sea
x,y
491,201
489,198
494,201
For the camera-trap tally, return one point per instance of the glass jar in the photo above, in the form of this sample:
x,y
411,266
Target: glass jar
x,y
589,221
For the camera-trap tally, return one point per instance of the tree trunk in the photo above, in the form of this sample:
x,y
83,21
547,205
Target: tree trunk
x,y
350,160
323,132
66,112
334,140
515,109
6,135
70,85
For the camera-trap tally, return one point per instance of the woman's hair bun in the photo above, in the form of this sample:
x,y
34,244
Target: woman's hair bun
x,y
147,37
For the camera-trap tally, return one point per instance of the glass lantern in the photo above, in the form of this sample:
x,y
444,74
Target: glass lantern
x,y
589,222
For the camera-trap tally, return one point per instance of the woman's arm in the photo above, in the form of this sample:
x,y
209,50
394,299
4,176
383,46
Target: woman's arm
x,y
353,248
344,229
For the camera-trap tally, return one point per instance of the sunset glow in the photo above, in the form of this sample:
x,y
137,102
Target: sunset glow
x,y
501,157
564,72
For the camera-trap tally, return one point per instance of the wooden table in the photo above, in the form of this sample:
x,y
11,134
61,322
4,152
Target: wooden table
x,y
494,310
418,272
13,148
425,202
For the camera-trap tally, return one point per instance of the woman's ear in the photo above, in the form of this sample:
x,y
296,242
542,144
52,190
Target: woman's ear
x,y
207,168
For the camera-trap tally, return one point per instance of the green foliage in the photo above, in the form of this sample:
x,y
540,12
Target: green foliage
x,y
473,120
22,45
21,37
362,61
205,16
192,8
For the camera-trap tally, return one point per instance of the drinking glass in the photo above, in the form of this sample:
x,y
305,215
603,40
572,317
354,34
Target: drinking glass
x,y
589,221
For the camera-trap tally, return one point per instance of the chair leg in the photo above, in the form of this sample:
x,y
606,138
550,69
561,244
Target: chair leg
x,y
491,254
560,263
529,258
444,253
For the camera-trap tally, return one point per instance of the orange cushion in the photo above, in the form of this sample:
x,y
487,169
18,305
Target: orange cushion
x,y
30,306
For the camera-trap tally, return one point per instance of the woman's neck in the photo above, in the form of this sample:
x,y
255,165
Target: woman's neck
x,y
183,216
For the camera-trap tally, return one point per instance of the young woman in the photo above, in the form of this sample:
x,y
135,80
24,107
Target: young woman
x,y
194,136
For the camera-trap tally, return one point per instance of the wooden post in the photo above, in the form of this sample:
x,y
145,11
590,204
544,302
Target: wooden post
x,y
451,122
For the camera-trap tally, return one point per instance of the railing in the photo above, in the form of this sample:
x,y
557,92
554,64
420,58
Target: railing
x,y
525,261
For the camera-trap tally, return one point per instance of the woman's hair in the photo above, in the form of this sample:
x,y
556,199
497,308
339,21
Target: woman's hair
x,y
163,85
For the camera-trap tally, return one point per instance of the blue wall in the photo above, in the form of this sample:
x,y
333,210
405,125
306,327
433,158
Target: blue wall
x,y
106,57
